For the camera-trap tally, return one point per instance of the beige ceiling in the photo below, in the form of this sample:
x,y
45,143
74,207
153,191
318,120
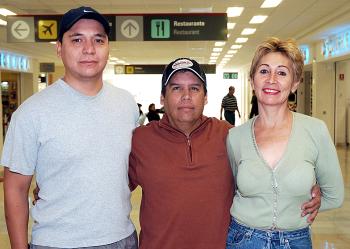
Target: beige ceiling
x,y
299,19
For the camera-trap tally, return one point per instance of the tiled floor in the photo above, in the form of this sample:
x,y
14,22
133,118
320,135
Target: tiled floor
x,y
331,227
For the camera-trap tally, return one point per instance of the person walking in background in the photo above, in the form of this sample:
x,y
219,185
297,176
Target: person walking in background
x,y
277,157
152,114
75,136
254,111
142,116
229,105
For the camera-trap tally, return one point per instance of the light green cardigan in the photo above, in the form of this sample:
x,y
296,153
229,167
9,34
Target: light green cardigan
x,y
272,199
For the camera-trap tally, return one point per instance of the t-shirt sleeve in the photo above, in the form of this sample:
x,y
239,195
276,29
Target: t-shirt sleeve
x,y
133,181
223,103
328,172
21,146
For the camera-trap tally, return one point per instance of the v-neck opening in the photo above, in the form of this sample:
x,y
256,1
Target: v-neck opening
x,y
285,152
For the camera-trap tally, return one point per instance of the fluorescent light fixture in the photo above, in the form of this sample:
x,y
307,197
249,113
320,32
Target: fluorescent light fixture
x,y
214,57
217,49
234,11
3,22
6,12
113,58
248,31
235,46
215,54
212,62
228,56
270,3
196,10
231,25
220,44
53,42
232,52
241,40
258,19
225,59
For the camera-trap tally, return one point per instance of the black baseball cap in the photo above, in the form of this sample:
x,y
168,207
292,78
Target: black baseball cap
x,y
183,64
74,15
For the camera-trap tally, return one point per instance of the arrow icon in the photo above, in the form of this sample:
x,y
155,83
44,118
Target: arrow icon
x,y
130,27
20,29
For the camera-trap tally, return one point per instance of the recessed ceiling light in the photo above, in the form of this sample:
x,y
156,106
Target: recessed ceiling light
x,y
230,25
217,49
196,10
241,40
270,3
225,59
235,46
52,42
214,57
3,22
228,55
232,52
220,44
215,54
6,12
248,31
234,11
258,19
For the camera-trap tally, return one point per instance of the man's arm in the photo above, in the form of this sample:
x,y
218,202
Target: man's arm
x,y
221,112
311,207
239,114
16,187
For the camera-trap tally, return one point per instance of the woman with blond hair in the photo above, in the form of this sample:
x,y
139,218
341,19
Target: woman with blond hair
x,y
277,157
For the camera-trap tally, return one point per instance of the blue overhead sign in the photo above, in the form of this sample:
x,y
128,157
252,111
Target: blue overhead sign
x,y
15,62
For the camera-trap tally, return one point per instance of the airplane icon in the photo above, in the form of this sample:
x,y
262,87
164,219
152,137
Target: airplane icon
x,y
48,28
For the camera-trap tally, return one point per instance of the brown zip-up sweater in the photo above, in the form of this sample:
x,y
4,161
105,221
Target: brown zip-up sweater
x,y
187,185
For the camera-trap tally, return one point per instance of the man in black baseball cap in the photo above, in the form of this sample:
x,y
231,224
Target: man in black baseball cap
x,y
74,15
78,148
182,166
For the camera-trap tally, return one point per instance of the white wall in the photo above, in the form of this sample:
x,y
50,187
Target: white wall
x,y
342,101
323,93
146,89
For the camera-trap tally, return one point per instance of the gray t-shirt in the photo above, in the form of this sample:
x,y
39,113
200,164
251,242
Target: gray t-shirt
x,y
78,147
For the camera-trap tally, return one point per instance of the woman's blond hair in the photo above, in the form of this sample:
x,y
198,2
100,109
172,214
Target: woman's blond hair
x,y
288,48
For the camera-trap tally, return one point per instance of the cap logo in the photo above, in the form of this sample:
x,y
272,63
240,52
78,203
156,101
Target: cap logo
x,y
87,11
183,63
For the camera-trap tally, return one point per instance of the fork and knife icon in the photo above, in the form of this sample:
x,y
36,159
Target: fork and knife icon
x,y
160,27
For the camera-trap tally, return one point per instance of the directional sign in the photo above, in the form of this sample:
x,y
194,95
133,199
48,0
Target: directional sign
x,y
47,29
178,27
230,75
129,28
20,29
143,27
155,69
